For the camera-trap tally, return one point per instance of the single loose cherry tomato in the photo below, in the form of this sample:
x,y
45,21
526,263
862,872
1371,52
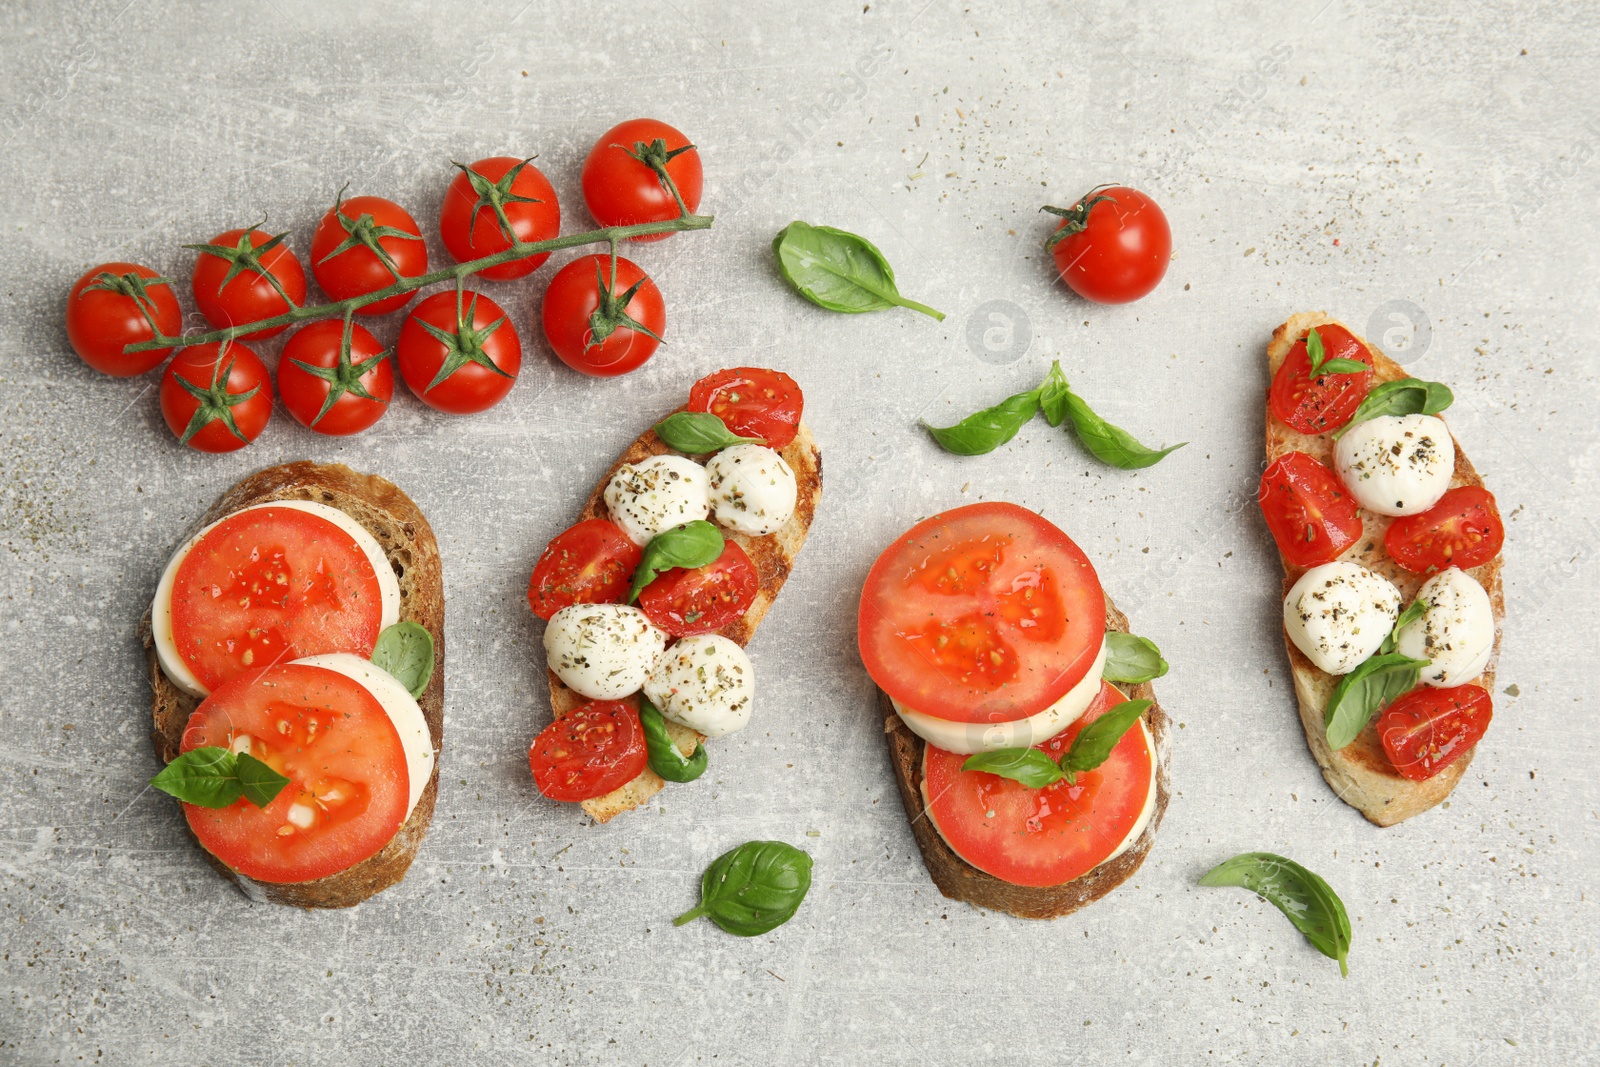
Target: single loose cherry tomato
x,y
1326,402
1310,514
112,306
621,184
752,402
1112,246
365,244
590,563
588,752
470,220
600,326
1428,729
459,353
330,387
244,276
1462,530
216,397
685,601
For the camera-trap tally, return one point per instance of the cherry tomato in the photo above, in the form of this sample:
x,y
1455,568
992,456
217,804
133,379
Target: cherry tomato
x,y
471,226
1113,246
216,397
622,189
701,600
1462,530
469,359
601,327
112,306
1310,514
588,752
590,563
1428,729
330,388
365,244
752,402
267,280
1325,403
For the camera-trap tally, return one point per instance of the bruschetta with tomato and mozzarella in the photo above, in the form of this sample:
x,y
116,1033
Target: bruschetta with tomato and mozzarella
x,y
295,652
1390,545
651,597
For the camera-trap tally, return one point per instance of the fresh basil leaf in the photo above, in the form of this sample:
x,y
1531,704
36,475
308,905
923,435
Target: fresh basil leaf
x,y
1314,351
1111,444
259,783
1094,742
1414,611
1308,901
1053,392
1130,658
1367,690
1029,766
1343,366
665,759
838,270
205,776
692,544
405,650
753,888
986,430
1406,396
699,432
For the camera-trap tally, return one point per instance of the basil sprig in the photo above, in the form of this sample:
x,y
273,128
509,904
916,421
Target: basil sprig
x,y
213,777
838,270
1414,611
691,544
753,888
1308,901
1130,658
1379,681
1090,748
1321,365
405,650
1405,396
699,432
665,759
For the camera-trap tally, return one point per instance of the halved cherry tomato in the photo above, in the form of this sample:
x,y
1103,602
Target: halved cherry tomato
x,y
987,613
1049,836
471,226
588,752
342,259
1462,530
470,358
590,563
1117,248
1428,729
111,307
583,316
753,402
267,280
701,600
620,189
349,785
1326,403
216,397
269,585
331,390
1310,514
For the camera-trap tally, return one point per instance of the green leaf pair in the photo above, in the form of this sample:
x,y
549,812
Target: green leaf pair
x,y
1090,748
1379,681
692,544
699,432
753,888
1321,364
665,759
1405,396
1308,901
838,270
213,777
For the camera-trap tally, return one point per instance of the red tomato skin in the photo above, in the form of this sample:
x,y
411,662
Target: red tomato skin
x,y
249,297
100,323
752,402
199,364
472,388
1462,530
603,559
1314,407
472,234
593,749
356,271
1123,251
572,297
1311,515
1428,729
621,191
317,344
702,600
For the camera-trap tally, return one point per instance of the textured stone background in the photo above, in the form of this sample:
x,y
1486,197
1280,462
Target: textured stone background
x,y
1429,178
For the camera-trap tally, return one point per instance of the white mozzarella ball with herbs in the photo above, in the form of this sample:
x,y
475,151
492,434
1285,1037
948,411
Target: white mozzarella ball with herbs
x,y
602,651
1397,464
1455,635
1339,613
657,494
752,489
705,683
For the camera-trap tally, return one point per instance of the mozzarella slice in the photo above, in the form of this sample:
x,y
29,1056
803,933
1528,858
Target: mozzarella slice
x,y
602,651
1455,634
1397,464
401,707
172,664
1339,613
752,489
657,494
705,683
967,738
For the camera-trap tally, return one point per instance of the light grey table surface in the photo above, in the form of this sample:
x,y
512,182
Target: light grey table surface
x,y
1428,176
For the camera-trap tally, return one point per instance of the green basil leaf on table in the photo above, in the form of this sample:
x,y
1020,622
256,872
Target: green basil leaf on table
x,y
1130,658
1368,689
986,430
1308,901
1053,392
1094,742
1414,611
691,544
1029,766
753,888
214,777
699,432
1112,444
838,270
1405,396
405,650
665,759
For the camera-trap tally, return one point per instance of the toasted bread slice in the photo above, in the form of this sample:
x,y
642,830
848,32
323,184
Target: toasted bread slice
x,y
959,880
773,557
1361,772
407,539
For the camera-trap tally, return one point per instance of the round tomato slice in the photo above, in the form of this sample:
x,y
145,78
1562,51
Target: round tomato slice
x,y
588,752
1428,729
590,563
700,600
1327,401
269,585
752,402
987,613
1310,514
1049,836
1462,530
348,789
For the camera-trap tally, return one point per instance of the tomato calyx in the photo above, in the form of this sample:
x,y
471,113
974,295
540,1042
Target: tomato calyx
x,y
465,344
364,232
245,256
655,155
495,196
345,376
216,404
135,287
612,310
1077,215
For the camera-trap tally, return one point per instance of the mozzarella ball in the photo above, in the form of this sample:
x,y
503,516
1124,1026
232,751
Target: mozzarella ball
x,y
1339,613
705,683
752,489
1397,464
1455,635
657,494
602,651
